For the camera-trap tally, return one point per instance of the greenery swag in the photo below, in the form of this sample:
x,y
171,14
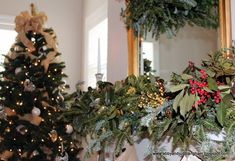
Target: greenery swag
x,y
168,16
196,104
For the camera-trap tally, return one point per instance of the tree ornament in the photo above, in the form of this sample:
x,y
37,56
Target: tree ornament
x,y
21,129
28,86
3,114
60,96
41,51
18,70
69,129
36,111
34,153
65,157
8,130
53,135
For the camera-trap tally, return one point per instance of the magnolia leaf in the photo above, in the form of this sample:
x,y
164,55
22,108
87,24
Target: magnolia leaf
x,y
224,87
227,100
225,92
186,76
208,90
210,73
211,83
177,100
175,88
186,103
228,80
227,65
221,113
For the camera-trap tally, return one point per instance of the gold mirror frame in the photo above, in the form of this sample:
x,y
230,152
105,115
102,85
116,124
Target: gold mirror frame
x,y
225,37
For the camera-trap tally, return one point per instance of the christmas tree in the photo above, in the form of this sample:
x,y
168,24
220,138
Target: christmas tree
x,y
32,96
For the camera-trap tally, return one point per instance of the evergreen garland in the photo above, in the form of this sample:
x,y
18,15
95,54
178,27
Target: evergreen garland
x,y
195,105
168,16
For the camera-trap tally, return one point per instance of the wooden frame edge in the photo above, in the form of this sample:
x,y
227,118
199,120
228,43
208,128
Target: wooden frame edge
x,y
225,23
225,36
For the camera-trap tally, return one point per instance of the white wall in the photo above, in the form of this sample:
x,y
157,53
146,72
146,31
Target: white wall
x,y
94,11
117,43
233,18
65,18
190,44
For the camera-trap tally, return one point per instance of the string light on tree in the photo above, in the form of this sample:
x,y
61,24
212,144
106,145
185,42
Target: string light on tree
x,y
32,70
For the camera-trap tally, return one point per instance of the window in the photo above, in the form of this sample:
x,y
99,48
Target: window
x,y
7,36
150,51
97,43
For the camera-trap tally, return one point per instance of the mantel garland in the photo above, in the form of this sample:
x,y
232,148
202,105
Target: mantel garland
x,y
196,104
158,16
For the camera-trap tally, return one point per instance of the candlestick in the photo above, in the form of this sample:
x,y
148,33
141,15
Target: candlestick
x,y
98,58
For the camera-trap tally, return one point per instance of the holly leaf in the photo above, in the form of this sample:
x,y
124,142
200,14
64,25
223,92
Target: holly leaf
x,y
175,88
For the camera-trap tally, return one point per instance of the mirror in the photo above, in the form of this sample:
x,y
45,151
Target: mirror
x,y
189,44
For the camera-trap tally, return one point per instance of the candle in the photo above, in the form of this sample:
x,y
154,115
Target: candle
x,y
98,58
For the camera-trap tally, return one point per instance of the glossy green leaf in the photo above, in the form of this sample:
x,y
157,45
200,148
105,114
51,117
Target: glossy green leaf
x,y
177,100
210,73
211,83
175,88
221,113
186,103
186,76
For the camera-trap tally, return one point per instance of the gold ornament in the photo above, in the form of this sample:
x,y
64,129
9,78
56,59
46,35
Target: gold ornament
x,y
153,100
7,130
53,135
33,119
131,90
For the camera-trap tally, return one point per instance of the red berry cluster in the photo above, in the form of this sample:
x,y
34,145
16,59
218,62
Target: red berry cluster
x,y
203,74
217,97
198,87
